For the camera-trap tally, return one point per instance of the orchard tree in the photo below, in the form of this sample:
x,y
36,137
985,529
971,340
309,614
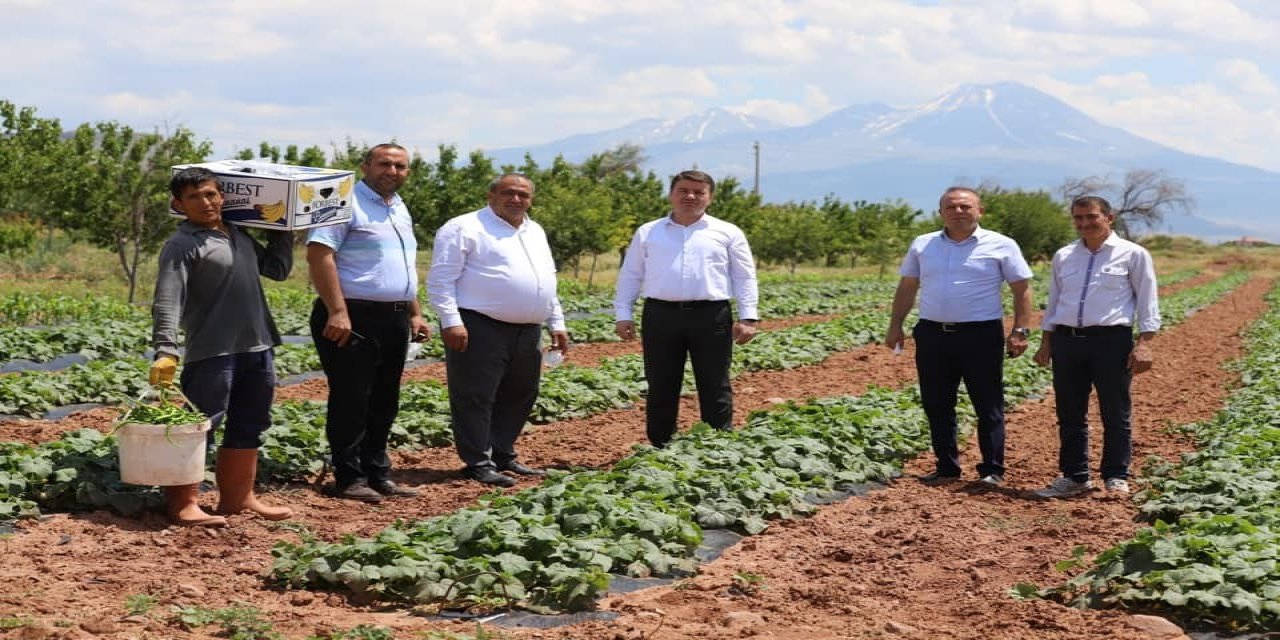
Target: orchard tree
x,y
885,229
1038,223
843,230
30,152
733,203
114,188
789,234
349,156
1141,200
577,214
440,190
635,197
312,156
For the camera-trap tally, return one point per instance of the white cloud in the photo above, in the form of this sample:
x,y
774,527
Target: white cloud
x,y
18,54
132,105
814,104
1216,20
1247,77
1083,15
663,80
1203,117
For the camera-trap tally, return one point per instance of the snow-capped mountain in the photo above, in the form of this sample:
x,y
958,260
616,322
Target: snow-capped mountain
x,y
1006,133
650,132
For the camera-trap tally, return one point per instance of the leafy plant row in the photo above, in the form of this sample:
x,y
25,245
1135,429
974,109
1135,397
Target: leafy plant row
x,y
97,339
34,393
21,309
78,471
1178,277
1177,307
779,298
1212,554
553,546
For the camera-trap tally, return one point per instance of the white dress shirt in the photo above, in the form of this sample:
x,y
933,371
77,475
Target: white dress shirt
x,y
960,281
707,260
1103,288
484,264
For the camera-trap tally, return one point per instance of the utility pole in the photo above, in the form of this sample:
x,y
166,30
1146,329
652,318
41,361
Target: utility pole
x,y
755,187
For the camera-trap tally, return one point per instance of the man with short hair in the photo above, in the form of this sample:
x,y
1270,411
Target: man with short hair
x,y
958,272
209,285
367,311
687,266
1101,287
493,284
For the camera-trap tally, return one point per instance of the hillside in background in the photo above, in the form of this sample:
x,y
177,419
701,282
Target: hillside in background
x,y
1005,133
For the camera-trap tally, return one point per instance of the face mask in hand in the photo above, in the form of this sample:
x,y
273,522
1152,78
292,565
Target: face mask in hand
x,y
551,358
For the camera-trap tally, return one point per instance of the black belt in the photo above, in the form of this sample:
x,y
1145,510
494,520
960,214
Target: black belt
x,y
684,304
955,327
396,305
1085,332
519,325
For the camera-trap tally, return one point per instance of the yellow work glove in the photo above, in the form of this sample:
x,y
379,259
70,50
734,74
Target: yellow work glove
x,y
163,370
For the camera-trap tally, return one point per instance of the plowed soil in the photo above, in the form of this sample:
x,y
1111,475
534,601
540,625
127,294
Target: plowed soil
x,y
906,561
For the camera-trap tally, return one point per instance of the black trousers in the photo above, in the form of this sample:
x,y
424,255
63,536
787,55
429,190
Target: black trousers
x,y
1085,359
364,386
492,387
238,390
973,352
702,331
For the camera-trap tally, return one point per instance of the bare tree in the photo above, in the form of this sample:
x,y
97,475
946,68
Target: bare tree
x,y
626,158
1141,201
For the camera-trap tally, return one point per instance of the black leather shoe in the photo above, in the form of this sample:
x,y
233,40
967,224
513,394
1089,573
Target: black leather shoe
x,y
358,490
934,479
489,475
392,490
521,470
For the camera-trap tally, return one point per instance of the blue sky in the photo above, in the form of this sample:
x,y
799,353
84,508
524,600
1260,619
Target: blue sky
x,y
1198,75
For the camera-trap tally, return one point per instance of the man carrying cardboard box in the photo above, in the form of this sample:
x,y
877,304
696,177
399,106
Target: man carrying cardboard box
x,y
208,283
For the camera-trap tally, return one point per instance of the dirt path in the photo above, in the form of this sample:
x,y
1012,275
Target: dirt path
x,y
938,560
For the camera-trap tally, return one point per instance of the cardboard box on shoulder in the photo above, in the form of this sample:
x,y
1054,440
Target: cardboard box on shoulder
x,y
280,196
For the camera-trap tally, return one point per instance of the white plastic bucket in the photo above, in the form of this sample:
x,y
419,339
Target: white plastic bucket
x,y
162,455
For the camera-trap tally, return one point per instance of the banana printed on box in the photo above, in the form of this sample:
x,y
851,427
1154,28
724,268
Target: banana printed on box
x,y
279,196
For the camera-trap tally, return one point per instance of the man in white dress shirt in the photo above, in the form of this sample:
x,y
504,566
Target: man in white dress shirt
x,y
493,284
1102,286
687,266
960,336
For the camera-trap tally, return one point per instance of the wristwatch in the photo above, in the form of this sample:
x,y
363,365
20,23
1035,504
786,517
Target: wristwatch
x,y
1022,331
